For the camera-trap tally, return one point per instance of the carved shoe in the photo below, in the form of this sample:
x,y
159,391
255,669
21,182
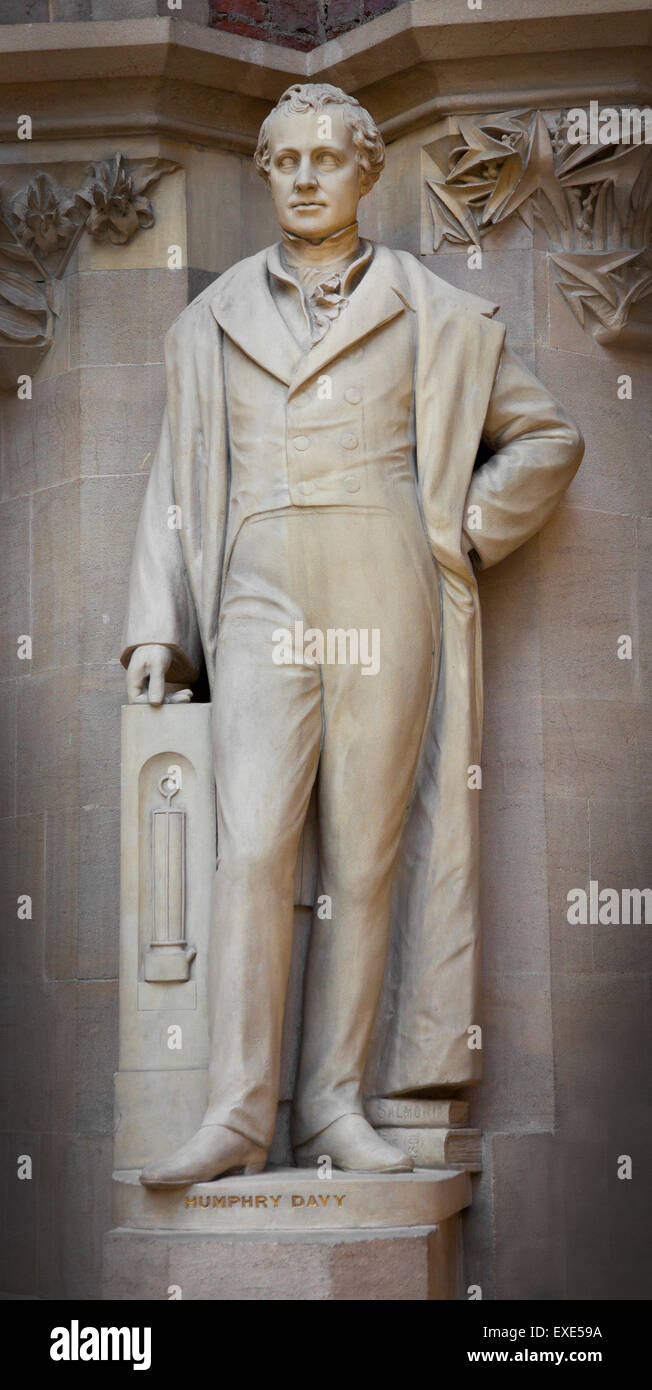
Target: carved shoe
x,y
213,1151
352,1144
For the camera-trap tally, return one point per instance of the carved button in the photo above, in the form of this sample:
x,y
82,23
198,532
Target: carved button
x,y
301,442
353,396
352,484
350,441
306,487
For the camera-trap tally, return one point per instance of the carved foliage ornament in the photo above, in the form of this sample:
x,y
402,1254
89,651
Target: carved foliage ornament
x,y
40,227
593,200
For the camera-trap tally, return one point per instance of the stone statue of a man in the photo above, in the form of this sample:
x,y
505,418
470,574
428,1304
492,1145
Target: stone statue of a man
x,y
326,401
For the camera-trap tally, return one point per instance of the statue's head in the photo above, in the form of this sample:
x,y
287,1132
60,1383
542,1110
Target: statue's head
x,y
320,152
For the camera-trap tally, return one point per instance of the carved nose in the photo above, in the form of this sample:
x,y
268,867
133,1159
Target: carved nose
x,y
306,177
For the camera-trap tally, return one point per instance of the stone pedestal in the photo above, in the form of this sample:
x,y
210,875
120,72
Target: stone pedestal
x,y
288,1235
404,1263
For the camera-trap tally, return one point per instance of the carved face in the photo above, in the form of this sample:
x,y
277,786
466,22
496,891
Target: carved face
x,y
315,178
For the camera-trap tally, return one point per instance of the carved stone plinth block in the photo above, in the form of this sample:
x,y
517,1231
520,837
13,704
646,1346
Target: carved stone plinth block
x,y
292,1199
288,1235
416,1264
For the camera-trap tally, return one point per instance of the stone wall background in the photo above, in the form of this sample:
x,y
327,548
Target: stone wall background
x,y
566,792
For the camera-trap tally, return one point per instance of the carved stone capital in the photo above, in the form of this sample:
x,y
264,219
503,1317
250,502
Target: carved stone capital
x,y
594,202
40,227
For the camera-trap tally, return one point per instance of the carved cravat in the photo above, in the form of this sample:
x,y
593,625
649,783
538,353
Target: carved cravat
x,y
326,272
325,302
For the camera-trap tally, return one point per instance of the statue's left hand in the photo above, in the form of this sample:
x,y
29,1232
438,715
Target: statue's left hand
x,y
146,673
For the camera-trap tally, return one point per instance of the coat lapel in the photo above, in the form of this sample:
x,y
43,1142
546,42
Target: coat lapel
x,y
244,308
375,301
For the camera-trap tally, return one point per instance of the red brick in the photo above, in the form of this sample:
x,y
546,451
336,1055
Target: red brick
x,y
342,15
300,24
235,26
296,17
372,8
242,11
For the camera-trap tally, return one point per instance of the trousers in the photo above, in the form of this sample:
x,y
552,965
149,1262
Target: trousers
x,y
304,691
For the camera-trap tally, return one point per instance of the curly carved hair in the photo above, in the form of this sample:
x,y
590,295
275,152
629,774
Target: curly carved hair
x,y
314,96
